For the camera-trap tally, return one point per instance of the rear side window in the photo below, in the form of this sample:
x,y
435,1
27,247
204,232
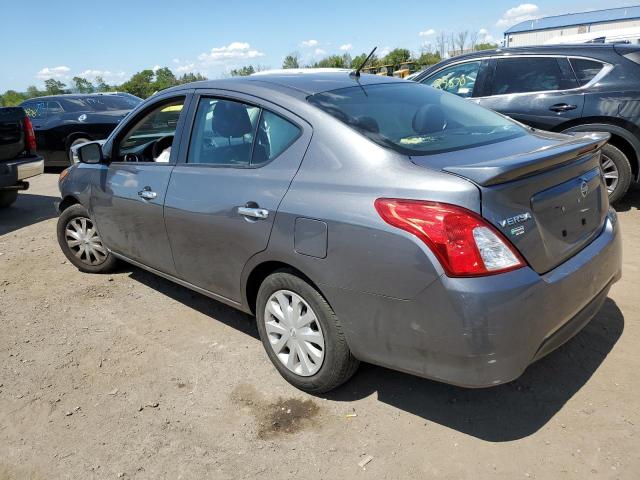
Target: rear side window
x,y
459,79
236,134
35,110
585,70
523,75
55,108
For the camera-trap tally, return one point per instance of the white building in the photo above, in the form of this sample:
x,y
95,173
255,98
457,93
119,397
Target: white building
x,y
611,25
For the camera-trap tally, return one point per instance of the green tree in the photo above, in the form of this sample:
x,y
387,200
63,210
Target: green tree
x,y
140,84
164,79
243,71
11,98
359,59
82,85
334,61
397,56
291,61
102,86
54,87
428,58
485,46
191,77
32,92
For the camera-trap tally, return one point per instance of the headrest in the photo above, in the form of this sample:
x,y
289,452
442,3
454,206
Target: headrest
x,y
429,119
230,119
369,124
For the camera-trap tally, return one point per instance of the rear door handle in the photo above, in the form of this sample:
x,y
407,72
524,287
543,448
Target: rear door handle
x,y
562,107
260,213
147,193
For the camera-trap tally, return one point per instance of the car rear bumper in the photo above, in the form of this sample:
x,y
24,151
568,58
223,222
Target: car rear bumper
x,y
479,332
14,171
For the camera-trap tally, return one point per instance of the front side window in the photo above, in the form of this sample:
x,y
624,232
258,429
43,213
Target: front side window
x,y
35,110
236,134
151,137
522,75
459,79
413,119
585,70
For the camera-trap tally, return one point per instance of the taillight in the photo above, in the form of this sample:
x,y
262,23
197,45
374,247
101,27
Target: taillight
x,y
29,136
465,244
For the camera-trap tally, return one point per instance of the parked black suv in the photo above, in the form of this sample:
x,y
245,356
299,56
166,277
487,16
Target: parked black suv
x,y
63,121
561,88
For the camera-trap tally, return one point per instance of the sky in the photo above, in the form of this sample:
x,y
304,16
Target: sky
x,y
118,38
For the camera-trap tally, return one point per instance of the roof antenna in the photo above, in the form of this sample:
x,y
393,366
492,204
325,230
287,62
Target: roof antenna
x,y
356,72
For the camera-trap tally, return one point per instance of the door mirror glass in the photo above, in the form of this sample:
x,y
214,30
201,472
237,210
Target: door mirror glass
x,y
90,153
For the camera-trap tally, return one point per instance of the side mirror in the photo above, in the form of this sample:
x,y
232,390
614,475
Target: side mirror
x,y
90,153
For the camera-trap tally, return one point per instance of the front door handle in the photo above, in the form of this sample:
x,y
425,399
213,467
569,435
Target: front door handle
x,y
260,213
562,107
147,193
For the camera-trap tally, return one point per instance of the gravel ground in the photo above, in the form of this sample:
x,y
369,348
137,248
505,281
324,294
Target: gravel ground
x,y
131,376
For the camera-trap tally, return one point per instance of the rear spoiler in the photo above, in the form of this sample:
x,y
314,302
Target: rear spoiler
x,y
515,167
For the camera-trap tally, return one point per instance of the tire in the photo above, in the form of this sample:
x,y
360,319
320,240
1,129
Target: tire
x,y
88,254
337,364
76,141
8,198
614,162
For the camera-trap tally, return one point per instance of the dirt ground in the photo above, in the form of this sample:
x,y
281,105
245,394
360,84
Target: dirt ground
x,y
131,376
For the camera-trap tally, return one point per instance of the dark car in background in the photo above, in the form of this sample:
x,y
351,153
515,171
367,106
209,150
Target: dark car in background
x,y
561,88
63,121
18,158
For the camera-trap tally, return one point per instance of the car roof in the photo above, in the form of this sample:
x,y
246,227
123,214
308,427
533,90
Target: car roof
x,y
297,82
561,49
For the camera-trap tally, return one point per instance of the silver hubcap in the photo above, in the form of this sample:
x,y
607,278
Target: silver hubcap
x,y
294,332
84,242
610,173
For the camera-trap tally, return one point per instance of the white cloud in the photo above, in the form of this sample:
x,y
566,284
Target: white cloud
x,y
426,33
53,72
309,43
384,52
233,51
156,68
176,60
485,36
187,67
346,47
524,11
106,75
319,51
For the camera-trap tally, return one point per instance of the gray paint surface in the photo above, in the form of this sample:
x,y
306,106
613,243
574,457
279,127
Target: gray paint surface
x,y
397,306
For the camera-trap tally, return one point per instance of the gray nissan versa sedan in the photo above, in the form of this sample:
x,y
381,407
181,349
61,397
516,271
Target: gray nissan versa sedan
x,y
359,218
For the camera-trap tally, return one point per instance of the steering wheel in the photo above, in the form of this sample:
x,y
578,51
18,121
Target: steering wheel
x,y
160,145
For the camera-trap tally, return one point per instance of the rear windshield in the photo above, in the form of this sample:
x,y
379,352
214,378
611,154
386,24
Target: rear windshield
x,y
102,103
415,119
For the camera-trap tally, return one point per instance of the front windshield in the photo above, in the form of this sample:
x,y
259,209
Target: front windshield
x,y
415,119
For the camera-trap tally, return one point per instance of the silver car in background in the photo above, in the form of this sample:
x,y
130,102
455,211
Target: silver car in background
x,y
358,218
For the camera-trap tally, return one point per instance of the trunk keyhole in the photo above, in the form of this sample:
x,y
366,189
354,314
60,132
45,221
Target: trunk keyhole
x,y
584,221
564,233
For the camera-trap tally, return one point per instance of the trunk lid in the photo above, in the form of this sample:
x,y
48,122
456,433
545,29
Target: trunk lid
x,y
543,191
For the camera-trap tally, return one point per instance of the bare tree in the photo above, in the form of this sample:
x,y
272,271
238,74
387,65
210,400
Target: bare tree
x,y
441,44
473,40
461,40
452,44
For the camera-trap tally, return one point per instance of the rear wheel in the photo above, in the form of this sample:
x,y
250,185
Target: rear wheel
x,y
302,335
81,243
8,197
616,169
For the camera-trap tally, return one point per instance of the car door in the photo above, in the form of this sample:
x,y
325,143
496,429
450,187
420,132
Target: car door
x,y
128,201
224,193
539,91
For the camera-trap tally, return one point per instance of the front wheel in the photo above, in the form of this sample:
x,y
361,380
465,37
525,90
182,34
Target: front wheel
x,y
616,170
302,335
81,243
